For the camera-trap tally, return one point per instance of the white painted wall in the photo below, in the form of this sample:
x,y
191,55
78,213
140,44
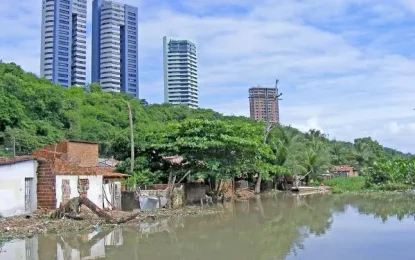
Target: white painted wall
x,y
94,192
12,188
25,249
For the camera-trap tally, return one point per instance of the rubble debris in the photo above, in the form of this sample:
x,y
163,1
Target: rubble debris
x,y
41,223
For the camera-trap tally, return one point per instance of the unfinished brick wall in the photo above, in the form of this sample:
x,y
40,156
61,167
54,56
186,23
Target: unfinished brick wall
x,y
52,151
84,154
46,193
80,153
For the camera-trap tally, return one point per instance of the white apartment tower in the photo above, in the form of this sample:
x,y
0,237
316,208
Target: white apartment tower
x,y
180,72
115,46
63,42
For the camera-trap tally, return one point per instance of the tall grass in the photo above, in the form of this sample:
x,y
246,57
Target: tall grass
x,y
346,184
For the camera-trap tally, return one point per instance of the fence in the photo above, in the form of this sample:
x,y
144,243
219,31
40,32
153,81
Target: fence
x,y
10,146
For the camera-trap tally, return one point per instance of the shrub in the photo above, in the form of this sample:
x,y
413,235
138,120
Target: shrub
x,y
346,184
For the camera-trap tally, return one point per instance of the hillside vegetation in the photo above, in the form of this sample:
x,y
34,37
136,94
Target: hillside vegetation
x,y
34,113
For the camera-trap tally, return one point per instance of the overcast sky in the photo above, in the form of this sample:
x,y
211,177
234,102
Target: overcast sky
x,y
346,67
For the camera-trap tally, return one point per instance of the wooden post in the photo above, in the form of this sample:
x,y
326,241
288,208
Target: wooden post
x,y
14,146
130,116
201,204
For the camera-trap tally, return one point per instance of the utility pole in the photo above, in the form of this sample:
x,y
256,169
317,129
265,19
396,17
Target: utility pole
x,y
268,128
14,146
130,116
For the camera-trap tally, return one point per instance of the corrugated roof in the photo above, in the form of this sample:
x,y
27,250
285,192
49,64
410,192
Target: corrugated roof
x,y
339,168
174,159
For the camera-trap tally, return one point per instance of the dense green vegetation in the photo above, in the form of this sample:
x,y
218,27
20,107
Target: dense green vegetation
x,y
34,113
344,184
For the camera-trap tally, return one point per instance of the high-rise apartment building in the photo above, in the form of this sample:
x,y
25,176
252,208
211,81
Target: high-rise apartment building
x,y
263,103
63,46
180,72
115,46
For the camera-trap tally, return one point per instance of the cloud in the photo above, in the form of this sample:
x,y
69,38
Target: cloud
x,y
345,66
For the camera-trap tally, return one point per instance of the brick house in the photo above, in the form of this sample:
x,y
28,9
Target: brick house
x,y
71,168
344,171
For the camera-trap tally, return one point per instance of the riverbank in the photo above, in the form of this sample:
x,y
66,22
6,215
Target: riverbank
x,y
40,222
359,185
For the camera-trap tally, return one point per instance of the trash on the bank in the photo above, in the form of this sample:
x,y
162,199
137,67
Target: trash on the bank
x,y
152,202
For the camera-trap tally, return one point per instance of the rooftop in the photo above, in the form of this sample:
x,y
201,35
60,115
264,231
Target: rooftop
x,y
13,160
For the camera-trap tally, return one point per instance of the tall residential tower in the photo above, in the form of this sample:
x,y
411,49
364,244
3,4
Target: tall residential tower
x,y
63,46
180,72
115,46
263,104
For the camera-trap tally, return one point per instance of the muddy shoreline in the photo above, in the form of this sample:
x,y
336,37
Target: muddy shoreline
x,y
21,227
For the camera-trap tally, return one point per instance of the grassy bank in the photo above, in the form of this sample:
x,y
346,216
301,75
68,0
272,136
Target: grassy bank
x,y
341,185
359,184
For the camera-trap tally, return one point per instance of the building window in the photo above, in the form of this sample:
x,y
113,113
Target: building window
x,y
62,75
63,38
63,53
64,6
62,59
63,43
62,70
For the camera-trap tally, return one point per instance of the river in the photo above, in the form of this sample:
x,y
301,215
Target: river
x,y
275,227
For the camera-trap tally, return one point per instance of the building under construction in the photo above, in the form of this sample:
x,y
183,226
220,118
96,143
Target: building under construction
x,y
263,103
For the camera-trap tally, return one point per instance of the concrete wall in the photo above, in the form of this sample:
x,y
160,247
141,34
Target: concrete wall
x,y
128,203
94,192
12,188
194,192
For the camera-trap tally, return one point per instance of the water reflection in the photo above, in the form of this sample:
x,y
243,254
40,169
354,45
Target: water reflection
x,y
279,227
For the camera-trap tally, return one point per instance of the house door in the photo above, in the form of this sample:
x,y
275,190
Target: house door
x,y
117,195
28,193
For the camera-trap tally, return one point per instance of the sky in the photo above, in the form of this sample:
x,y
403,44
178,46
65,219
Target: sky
x,y
346,67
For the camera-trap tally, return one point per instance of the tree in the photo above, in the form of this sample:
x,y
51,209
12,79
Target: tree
x,y
314,159
361,153
95,87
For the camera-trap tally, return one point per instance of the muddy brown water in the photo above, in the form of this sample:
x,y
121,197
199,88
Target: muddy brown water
x,y
275,227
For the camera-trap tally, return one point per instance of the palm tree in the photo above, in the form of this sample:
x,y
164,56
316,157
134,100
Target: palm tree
x,y
337,153
361,153
315,159
284,139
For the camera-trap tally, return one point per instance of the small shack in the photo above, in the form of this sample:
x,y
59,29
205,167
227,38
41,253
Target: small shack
x,y
18,186
71,168
344,171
